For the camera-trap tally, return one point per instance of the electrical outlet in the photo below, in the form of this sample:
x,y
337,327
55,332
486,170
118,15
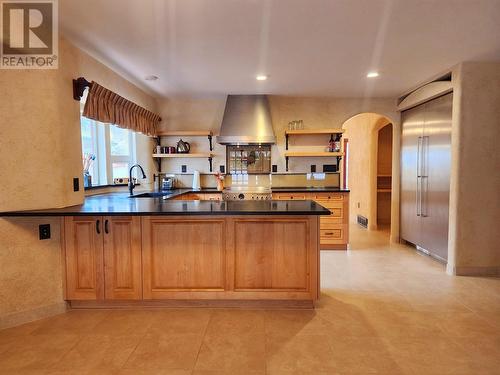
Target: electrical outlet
x,y
76,184
313,168
222,169
44,231
275,168
183,169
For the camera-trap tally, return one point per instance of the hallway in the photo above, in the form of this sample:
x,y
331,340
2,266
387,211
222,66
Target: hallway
x,y
384,309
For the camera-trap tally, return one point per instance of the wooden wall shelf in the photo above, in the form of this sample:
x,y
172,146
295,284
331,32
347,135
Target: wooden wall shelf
x,y
314,131
185,133
192,133
333,132
383,190
192,155
313,154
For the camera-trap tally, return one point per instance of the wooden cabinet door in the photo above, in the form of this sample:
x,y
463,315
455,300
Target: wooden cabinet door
x,y
272,254
122,257
182,255
84,257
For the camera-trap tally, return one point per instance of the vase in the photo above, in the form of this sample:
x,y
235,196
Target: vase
x,y
220,185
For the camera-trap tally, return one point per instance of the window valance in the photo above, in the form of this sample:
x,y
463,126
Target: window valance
x,y
106,106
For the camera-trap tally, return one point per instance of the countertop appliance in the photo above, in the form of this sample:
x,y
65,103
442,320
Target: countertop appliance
x,y
425,175
167,182
246,193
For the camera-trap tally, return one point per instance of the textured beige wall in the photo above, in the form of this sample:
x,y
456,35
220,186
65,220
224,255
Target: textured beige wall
x,y
40,148
475,178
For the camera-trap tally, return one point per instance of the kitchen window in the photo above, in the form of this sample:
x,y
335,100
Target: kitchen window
x,y
114,149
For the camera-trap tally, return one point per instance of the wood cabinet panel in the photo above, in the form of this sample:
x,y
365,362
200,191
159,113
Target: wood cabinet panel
x,y
84,257
122,257
182,255
271,255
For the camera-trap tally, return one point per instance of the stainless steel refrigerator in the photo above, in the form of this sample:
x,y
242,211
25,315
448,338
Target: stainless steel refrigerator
x,y
425,175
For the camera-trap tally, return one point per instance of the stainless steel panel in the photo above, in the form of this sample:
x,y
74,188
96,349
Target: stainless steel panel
x,y
412,133
435,181
247,120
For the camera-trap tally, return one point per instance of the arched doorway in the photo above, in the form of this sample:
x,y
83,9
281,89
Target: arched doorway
x,y
361,168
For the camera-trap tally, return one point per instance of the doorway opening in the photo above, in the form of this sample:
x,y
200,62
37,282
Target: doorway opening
x,y
384,177
367,170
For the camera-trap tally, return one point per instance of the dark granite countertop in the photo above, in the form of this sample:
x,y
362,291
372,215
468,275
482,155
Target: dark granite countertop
x,y
121,204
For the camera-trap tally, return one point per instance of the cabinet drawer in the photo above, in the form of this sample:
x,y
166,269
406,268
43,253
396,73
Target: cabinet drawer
x,y
337,215
329,196
329,204
327,222
334,236
291,196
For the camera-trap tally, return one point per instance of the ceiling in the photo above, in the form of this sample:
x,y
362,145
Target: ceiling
x,y
307,47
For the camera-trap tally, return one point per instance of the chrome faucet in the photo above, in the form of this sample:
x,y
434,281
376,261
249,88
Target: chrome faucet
x,y
131,184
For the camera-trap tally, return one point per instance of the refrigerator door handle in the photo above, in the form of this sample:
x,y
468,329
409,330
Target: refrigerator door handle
x,y
423,192
419,174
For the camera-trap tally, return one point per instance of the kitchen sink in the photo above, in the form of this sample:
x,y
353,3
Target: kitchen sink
x,y
152,195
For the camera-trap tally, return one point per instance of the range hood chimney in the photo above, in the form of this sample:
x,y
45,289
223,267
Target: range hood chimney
x,y
247,120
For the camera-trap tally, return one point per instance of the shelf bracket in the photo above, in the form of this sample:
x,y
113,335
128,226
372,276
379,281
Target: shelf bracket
x,y
159,164
286,141
210,163
210,142
286,160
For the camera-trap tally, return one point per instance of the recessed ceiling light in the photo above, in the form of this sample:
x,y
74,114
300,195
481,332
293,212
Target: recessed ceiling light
x,y
372,74
151,78
261,77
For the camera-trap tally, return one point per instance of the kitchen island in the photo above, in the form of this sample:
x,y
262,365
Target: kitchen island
x,y
121,251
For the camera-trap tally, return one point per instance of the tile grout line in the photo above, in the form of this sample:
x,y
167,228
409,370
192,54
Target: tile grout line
x,y
136,346
202,339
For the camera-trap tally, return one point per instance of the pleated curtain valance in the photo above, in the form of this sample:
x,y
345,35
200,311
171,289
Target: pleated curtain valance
x,y
106,106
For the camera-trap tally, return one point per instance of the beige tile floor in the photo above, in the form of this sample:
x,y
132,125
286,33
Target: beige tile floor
x,y
384,310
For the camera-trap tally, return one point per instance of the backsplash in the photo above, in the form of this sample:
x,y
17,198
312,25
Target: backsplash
x,y
269,180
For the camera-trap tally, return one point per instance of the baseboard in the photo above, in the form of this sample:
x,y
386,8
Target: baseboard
x,y
22,317
148,304
473,271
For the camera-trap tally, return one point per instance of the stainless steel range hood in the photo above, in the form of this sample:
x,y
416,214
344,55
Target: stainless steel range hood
x,y
247,120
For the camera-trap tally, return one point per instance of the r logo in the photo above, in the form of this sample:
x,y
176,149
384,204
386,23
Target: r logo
x,y
29,34
27,28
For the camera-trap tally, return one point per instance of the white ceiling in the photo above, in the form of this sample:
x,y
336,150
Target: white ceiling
x,y
307,47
